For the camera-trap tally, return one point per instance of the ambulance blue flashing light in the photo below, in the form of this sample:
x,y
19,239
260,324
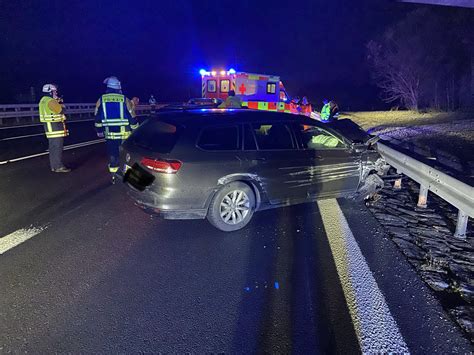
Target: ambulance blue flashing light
x,y
204,72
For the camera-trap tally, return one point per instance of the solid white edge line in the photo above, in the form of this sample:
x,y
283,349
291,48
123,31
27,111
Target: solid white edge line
x,y
41,124
16,238
84,144
375,327
67,147
18,137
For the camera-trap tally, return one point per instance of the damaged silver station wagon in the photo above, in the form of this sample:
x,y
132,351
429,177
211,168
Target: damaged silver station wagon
x,y
224,165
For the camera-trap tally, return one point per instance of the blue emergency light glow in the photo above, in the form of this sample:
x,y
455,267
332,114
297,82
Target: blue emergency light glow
x,y
204,72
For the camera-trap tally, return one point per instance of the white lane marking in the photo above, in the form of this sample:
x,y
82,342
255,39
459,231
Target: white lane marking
x,y
41,124
18,137
374,325
16,238
67,147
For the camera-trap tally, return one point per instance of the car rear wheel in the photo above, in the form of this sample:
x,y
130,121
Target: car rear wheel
x,y
232,207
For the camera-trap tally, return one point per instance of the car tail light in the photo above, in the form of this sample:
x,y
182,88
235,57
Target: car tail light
x,y
162,166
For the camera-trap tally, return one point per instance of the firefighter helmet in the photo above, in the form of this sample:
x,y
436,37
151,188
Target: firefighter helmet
x,y
49,88
113,82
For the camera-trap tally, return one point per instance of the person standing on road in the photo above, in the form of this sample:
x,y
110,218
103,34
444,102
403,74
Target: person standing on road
x,y
135,101
51,112
326,110
114,120
334,110
152,100
152,103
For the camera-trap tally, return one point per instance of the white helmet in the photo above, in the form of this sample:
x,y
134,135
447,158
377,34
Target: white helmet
x,y
49,88
113,82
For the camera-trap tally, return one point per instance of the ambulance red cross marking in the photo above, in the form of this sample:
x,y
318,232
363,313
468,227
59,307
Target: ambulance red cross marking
x,y
242,89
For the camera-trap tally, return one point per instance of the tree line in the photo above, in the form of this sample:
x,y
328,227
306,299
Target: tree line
x,y
426,60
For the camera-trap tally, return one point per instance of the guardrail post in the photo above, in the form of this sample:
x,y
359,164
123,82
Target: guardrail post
x,y
397,185
423,196
461,226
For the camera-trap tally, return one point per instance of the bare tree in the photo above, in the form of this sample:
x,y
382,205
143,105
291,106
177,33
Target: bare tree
x,y
424,59
398,81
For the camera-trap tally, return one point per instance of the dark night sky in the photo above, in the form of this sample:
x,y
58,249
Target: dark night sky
x,y
317,47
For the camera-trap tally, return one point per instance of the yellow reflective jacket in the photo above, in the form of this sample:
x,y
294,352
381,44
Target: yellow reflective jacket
x,y
50,112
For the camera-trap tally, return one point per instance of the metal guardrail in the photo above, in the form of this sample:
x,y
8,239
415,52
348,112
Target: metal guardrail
x,y
16,114
457,193
31,110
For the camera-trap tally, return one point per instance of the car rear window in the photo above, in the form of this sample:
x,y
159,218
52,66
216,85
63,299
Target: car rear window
x,y
219,138
156,136
273,136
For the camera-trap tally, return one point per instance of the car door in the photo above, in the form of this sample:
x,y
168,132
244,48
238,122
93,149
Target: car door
x,y
333,167
274,161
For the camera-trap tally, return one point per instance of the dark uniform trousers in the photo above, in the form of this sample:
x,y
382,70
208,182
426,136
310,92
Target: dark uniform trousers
x,y
56,152
113,153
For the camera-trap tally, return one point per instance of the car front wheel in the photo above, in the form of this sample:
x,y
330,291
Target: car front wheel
x,y
232,207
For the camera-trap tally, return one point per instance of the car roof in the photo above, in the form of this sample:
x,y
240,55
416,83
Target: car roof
x,y
216,115
204,116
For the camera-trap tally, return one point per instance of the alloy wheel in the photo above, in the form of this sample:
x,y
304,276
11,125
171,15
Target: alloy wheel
x,y
234,207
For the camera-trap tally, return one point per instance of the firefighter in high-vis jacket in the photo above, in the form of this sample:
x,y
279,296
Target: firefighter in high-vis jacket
x,y
51,112
326,111
114,120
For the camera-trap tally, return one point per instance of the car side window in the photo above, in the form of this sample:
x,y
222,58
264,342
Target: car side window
x,y
249,141
219,138
273,136
313,137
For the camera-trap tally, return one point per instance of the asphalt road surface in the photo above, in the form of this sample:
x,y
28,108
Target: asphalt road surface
x,y
84,270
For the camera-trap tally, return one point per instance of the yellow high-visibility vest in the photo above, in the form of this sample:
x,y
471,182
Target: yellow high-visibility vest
x,y
54,125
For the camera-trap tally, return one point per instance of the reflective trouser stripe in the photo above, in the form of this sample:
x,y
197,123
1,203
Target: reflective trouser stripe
x,y
98,124
117,135
134,126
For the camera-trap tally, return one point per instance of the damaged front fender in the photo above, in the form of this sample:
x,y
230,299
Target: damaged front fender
x,y
371,182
